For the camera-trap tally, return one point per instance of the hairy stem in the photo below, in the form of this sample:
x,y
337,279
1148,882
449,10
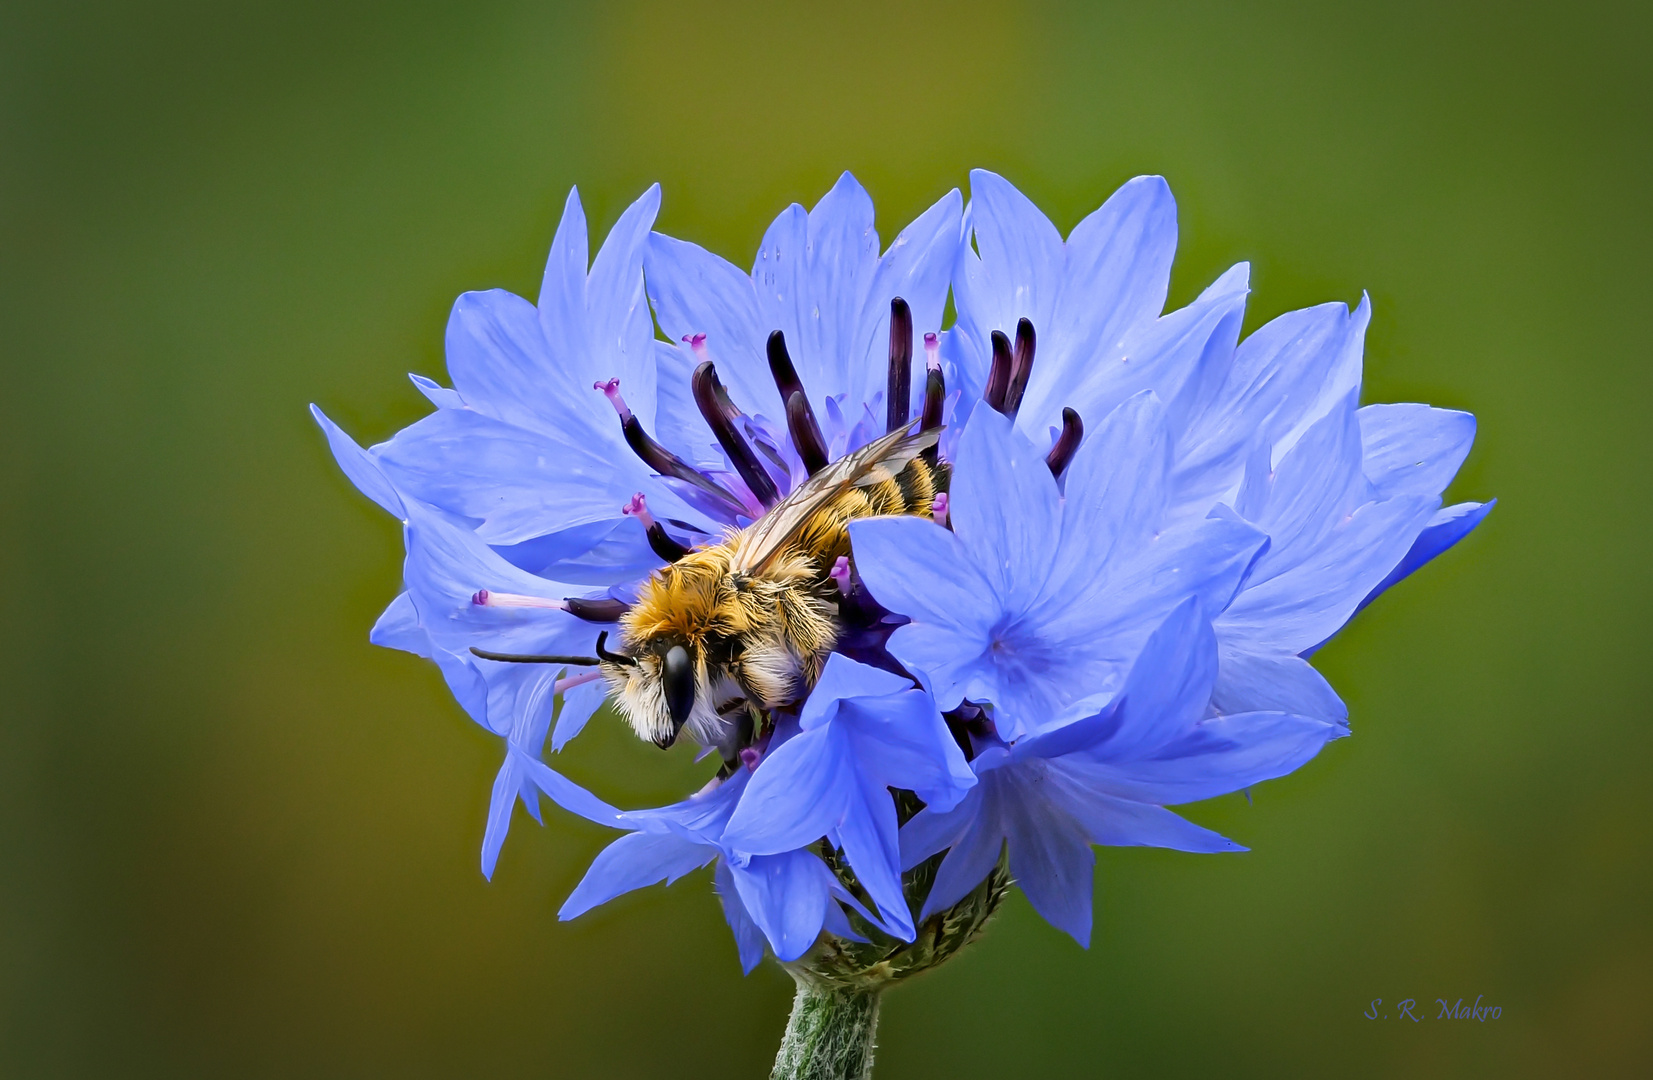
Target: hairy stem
x,y
829,1036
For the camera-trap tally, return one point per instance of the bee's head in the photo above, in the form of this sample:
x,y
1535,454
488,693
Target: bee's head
x,y
658,687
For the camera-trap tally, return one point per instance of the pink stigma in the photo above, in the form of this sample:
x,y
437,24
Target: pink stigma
x,y
611,390
932,353
840,573
938,509
484,598
750,756
697,342
638,508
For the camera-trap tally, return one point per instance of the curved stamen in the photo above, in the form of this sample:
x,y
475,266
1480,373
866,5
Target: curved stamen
x,y
1073,430
720,413
660,459
518,658
806,433
938,508
659,540
898,398
601,609
781,368
800,417
1021,367
998,376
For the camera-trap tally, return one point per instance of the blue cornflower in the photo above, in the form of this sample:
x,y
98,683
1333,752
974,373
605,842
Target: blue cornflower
x,y
1101,774
1032,600
1348,516
1151,525
863,732
785,898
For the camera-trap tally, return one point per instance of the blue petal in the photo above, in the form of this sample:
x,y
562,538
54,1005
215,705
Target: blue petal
x,y
972,853
501,801
1181,351
1050,856
748,938
1278,374
868,836
358,466
519,483
786,896
1169,686
398,628
1117,271
931,830
799,793
1248,682
1116,491
498,361
1303,606
921,570
1006,509
631,862
696,292
446,565
437,394
1314,487
842,679
1124,822
578,706
1449,525
571,796
902,742
811,273
1414,449
562,296
1220,755
916,268
614,333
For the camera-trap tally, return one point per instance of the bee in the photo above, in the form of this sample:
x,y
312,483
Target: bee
x,y
728,631
745,625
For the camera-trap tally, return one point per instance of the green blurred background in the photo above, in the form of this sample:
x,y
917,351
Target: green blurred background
x,y
236,840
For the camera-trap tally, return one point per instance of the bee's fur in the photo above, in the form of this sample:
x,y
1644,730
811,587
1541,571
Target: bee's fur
x,y
758,639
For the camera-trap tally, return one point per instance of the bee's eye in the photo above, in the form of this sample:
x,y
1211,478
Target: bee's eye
x,y
678,676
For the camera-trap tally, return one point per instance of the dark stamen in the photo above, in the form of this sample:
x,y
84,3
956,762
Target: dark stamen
x,y
806,433
602,609
720,413
660,459
935,391
780,367
898,400
1021,367
998,377
800,418
1073,430
516,658
659,539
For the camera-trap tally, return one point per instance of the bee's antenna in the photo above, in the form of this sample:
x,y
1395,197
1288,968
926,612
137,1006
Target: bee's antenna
x,y
517,658
612,657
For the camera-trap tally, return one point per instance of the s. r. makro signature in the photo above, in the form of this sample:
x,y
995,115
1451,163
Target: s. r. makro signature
x,y
1410,1009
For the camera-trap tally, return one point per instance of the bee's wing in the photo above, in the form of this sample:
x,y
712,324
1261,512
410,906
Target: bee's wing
x,y
875,462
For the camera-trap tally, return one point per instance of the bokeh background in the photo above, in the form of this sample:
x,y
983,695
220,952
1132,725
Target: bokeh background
x,y
236,840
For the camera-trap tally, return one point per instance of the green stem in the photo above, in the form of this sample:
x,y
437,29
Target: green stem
x,y
829,1036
